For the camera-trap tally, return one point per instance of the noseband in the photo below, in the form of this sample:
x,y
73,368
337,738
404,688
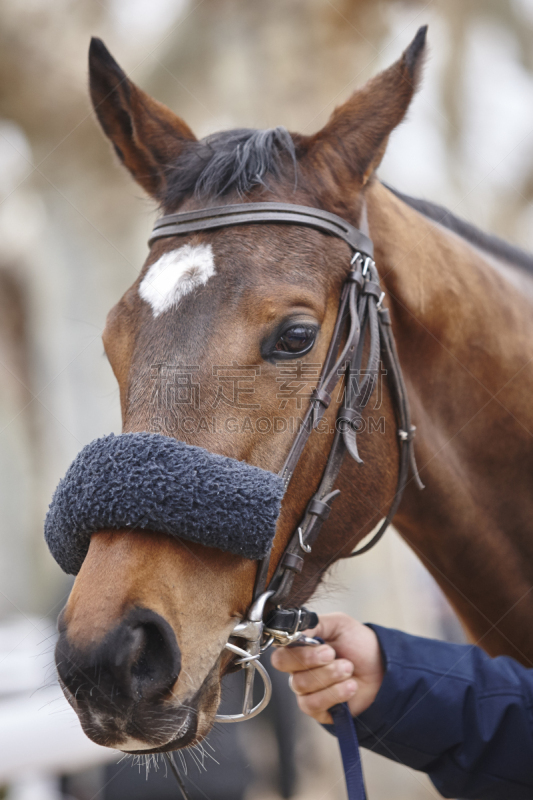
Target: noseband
x,y
361,317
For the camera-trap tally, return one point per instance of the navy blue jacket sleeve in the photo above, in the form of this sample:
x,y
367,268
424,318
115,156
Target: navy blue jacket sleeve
x,y
455,713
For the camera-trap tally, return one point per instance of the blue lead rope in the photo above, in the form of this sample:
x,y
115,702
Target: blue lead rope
x,y
344,730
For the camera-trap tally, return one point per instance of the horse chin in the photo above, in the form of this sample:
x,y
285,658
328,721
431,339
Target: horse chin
x,y
146,729
186,736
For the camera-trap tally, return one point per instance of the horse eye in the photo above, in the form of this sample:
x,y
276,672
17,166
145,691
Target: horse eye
x,y
296,340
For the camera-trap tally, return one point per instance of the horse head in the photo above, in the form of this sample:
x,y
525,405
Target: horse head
x,y
218,344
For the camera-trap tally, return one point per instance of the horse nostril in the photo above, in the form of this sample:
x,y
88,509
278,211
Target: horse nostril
x,y
142,654
156,659
138,660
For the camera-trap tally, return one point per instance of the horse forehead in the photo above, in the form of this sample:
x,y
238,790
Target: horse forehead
x,y
175,274
254,273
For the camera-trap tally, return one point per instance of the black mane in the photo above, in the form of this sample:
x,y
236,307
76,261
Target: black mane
x,y
491,244
231,160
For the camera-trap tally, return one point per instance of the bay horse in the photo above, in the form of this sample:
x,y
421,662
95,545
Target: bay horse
x,y
218,344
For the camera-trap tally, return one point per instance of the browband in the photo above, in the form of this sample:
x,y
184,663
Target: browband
x,y
206,219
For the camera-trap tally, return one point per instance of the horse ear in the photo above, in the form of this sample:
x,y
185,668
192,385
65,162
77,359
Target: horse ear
x,y
146,135
353,142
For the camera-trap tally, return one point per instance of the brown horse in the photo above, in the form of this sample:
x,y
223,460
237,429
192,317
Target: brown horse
x,y
224,354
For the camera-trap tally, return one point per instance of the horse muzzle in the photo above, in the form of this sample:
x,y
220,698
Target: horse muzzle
x,y
122,689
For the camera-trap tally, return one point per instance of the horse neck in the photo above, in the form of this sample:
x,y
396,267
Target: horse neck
x,y
465,339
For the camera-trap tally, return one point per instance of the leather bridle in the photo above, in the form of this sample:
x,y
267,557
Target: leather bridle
x,y
361,317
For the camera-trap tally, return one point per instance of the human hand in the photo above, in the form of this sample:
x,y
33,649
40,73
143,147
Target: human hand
x,y
348,667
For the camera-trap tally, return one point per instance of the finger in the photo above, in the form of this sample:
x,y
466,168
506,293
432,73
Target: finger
x,y
331,626
302,658
314,680
316,705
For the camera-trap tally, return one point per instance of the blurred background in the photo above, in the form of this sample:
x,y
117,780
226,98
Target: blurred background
x,y
73,231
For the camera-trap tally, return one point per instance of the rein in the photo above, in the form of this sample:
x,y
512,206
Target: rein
x,y
361,315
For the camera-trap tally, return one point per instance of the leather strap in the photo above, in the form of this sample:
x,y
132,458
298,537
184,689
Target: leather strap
x,y
291,620
373,321
330,372
206,219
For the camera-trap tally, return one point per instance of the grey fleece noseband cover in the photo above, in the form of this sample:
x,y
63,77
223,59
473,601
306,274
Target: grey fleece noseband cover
x,y
152,482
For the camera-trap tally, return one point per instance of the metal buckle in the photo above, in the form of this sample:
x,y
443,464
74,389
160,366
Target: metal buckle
x,y
250,629
283,638
369,262
305,547
407,436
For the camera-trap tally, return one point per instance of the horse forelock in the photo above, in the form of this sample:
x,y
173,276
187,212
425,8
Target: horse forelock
x,y
235,160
